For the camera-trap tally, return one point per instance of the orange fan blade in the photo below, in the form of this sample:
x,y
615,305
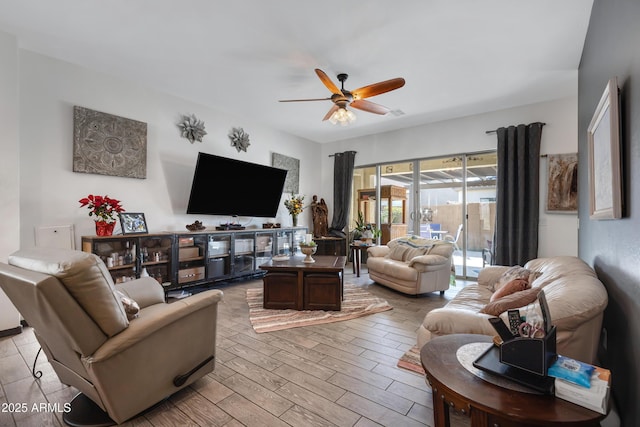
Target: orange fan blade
x,y
331,111
378,88
369,106
327,82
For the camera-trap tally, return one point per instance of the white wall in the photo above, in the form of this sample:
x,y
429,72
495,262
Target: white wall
x,y
558,232
49,189
9,169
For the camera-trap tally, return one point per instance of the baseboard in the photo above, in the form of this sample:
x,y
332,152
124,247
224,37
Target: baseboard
x,y
13,331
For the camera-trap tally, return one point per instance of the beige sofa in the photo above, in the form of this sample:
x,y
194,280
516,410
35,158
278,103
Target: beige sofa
x,y
126,350
411,264
575,296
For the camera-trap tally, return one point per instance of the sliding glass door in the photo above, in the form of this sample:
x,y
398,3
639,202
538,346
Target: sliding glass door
x,y
450,198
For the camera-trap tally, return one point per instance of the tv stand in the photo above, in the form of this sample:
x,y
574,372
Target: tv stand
x,y
180,260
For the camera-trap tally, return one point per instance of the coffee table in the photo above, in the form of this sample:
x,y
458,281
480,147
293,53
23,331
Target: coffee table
x,y
293,284
488,404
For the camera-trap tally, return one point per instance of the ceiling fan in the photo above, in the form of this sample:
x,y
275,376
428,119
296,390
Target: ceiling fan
x,y
342,98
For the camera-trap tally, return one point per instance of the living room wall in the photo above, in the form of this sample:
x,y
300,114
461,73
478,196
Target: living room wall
x,y
9,170
49,190
558,233
611,246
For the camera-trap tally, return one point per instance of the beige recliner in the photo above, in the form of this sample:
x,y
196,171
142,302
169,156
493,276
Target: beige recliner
x,y
124,366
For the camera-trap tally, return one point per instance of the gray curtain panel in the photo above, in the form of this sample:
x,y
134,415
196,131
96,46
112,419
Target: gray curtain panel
x,y
517,198
342,179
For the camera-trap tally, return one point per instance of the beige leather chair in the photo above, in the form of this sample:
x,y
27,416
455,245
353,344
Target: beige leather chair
x,y
123,366
411,264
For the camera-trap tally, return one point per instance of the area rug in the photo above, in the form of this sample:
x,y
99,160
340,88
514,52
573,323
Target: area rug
x,y
411,361
356,303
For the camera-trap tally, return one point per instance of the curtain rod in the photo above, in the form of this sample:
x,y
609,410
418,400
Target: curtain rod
x,y
496,130
333,155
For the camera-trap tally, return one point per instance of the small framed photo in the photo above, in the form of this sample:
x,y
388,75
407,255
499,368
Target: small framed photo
x,y
133,223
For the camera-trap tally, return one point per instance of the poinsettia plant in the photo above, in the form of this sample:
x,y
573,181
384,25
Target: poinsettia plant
x,y
104,208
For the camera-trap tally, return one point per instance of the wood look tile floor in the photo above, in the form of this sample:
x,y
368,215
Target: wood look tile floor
x,y
338,374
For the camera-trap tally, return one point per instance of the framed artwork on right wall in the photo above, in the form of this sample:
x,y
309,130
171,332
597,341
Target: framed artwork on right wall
x,y
603,139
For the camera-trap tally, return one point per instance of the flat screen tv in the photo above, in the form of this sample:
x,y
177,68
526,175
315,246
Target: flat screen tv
x,y
223,186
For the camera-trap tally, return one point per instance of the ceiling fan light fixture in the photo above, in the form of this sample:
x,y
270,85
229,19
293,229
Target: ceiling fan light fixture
x,y
342,116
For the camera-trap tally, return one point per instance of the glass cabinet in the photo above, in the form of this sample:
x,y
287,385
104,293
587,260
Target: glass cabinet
x,y
156,258
181,260
218,256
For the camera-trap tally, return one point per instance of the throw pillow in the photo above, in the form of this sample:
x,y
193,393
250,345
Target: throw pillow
x,y
510,288
516,272
398,252
130,306
515,300
411,253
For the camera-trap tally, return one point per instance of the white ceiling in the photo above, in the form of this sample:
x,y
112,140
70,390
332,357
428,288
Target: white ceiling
x,y
459,57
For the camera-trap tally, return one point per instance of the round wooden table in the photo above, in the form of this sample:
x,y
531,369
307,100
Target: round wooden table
x,y
488,404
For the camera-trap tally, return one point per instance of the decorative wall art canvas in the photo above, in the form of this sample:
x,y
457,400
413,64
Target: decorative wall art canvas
x,y
562,187
603,139
105,144
291,183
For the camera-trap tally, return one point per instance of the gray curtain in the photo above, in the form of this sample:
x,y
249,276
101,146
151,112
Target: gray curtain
x,y
518,194
342,179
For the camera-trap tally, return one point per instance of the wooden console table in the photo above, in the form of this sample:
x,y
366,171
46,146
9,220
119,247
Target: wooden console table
x,y
335,246
488,404
296,285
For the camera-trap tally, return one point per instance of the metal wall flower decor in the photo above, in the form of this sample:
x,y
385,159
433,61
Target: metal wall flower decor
x,y
239,139
192,128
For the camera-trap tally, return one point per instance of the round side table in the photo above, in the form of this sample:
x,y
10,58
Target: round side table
x,y
487,404
356,256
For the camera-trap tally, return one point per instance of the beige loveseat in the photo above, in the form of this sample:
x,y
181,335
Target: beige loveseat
x,y
121,346
411,264
575,296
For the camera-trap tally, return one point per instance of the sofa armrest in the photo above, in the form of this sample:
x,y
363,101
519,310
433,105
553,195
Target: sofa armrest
x,y
489,275
425,262
145,291
445,321
378,251
153,320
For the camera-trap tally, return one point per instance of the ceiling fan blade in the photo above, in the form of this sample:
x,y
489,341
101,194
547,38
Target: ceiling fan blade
x,y
330,113
327,82
303,100
369,106
378,88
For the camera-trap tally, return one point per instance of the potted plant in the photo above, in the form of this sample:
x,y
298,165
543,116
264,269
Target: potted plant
x,y
105,209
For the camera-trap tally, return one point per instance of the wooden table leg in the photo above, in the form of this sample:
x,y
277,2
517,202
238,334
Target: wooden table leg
x,y
440,411
353,259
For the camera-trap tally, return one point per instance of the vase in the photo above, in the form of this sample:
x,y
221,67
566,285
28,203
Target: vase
x,y
295,220
104,228
308,251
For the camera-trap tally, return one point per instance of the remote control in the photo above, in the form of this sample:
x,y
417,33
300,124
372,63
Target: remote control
x,y
514,320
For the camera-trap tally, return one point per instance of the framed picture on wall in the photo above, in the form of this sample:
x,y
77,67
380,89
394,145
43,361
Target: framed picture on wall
x,y
603,139
133,223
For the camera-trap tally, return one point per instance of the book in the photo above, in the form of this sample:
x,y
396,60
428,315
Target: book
x,y
595,397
